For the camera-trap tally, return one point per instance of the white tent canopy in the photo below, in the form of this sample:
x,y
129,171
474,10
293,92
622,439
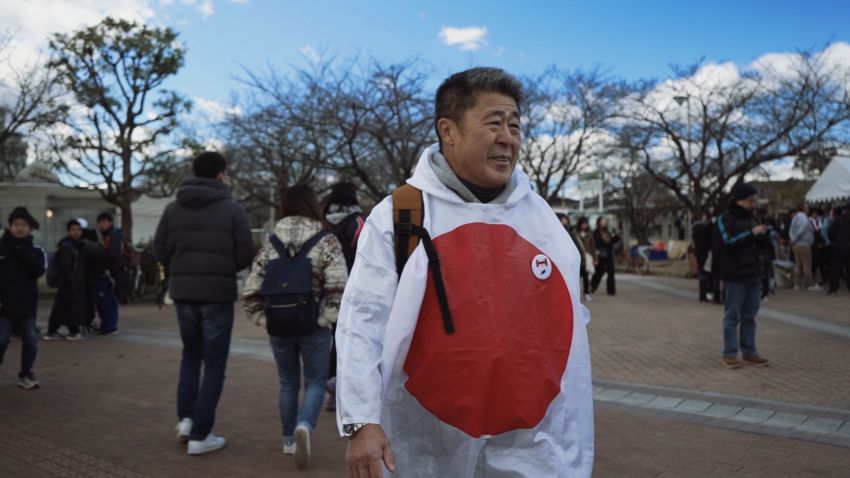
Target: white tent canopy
x,y
833,184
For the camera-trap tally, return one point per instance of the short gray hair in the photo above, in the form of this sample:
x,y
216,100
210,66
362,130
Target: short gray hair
x,y
457,93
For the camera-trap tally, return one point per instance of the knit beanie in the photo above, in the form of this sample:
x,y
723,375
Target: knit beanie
x,y
743,191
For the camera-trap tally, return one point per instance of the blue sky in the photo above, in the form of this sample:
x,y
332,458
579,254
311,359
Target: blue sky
x,y
629,38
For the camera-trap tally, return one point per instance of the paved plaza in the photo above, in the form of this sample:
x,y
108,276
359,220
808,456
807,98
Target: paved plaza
x,y
665,406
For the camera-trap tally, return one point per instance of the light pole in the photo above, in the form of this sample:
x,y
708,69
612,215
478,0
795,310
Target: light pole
x,y
679,100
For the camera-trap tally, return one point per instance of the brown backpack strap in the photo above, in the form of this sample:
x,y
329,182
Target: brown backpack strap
x,y
408,214
407,209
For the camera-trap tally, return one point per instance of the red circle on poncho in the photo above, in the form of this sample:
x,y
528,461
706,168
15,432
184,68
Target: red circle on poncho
x,y
503,365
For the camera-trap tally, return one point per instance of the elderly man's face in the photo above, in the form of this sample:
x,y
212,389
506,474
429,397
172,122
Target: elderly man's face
x,y
483,149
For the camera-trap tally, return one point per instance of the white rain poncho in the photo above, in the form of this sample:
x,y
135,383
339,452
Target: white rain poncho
x,y
509,393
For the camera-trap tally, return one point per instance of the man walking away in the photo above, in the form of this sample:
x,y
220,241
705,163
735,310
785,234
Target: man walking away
x,y
839,236
802,238
204,239
739,249
69,306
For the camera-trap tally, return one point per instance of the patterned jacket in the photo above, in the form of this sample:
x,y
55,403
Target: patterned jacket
x,y
329,271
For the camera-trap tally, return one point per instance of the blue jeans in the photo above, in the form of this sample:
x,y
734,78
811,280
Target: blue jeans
x,y
741,306
29,339
205,330
314,351
106,304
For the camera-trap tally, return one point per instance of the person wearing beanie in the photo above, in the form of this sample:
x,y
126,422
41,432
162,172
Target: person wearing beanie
x,y
21,264
739,249
802,238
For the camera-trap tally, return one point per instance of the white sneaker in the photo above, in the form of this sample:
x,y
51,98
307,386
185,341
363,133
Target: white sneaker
x,y
302,446
209,444
289,448
815,288
184,429
75,337
587,298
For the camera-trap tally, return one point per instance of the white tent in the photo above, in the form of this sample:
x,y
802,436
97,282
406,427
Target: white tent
x,y
833,185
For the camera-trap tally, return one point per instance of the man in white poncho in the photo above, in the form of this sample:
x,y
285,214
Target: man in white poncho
x,y
496,384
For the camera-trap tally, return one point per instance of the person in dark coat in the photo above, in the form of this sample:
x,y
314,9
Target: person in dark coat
x,y
701,235
839,236
111,284
69,306
21,264
739,250
204,239
605,243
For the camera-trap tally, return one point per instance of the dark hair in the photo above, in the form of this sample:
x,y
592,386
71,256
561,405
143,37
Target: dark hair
x,y
342,194
599,220
583,220
72,223
105,216
300,200
457,93
697,215
208,164
21,212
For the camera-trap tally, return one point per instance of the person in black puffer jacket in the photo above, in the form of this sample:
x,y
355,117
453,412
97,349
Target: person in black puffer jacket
x,y
21,264
203,239
701,235
69,307
739,249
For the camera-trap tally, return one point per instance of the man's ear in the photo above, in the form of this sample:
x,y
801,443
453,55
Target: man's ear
x,y
448,131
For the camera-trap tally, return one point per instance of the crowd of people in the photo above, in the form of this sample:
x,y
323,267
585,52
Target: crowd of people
x,y
87,269
598,249
816,243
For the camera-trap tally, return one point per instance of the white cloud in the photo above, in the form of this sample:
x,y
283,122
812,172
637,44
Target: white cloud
x,y
468,39
35,21
310,54
239,2
214,110
206,8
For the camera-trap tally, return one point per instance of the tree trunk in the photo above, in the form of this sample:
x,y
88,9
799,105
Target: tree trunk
x,y
126,219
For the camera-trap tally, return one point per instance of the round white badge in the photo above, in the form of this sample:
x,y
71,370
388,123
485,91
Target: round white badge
x,y
541,266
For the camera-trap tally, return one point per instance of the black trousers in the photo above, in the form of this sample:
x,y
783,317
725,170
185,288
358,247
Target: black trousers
x,y
585,280
839,267
605,266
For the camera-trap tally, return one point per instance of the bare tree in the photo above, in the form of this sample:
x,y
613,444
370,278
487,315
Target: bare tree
x,y
564,113
380,121
706,129
29,101
121,133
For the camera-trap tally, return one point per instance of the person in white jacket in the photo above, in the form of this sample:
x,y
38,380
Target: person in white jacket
x,y
505,388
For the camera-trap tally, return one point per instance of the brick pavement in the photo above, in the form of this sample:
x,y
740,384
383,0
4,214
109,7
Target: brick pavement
x,y
646,336
107,405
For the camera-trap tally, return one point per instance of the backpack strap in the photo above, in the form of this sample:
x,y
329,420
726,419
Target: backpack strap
x,y
281,249
408,215
311,243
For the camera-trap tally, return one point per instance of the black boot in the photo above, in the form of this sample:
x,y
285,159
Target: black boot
x,y
702,291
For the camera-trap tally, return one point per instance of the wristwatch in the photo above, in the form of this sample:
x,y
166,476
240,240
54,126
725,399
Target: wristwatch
x,y
351,429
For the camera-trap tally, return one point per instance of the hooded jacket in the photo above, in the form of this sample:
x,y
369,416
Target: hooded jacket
x,y
21,264
509,391
326,260
204,239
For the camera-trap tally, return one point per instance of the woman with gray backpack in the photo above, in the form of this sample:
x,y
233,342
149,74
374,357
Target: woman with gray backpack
x,y
294,289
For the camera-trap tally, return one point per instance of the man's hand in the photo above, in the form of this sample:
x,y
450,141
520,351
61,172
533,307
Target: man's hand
x,y
759,230
365,452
